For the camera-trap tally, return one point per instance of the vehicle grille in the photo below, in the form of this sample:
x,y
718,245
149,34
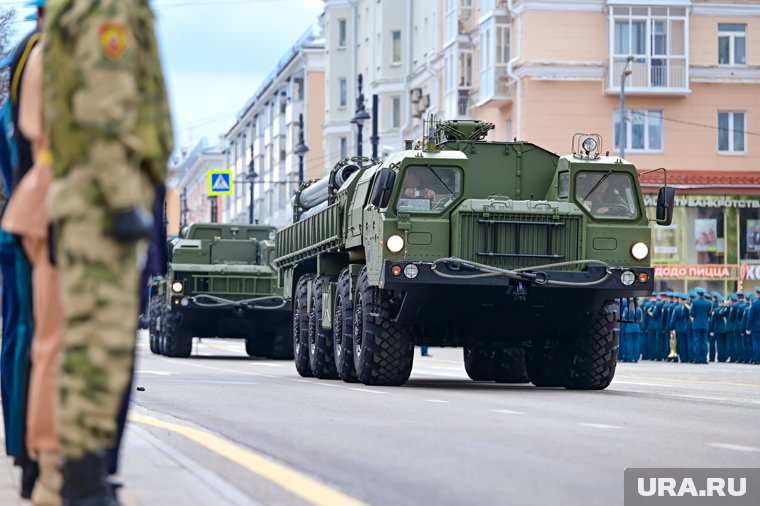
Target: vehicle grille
x,y
225,286
512,240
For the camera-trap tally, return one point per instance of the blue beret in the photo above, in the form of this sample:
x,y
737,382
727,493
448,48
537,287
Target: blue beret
x,y
682,295
669,293
700,290
747,295
32,17
733,296
720,297
757,289
692,293
36,3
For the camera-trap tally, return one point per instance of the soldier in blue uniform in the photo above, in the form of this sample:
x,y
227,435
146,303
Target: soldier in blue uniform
x,y
741,325
645,317
631,332
753,326
673,305
718,327
679,323
700,312
731,343
654,326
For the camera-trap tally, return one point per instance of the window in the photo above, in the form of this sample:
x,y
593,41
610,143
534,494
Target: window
x,y
656,39
343,90
607,194
732,44
343,147
396,52
396,121
643,130
749,234
731,134
341,33
563,185
429,189
494,56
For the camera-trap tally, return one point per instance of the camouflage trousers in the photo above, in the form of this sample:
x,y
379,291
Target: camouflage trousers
x,y
99,280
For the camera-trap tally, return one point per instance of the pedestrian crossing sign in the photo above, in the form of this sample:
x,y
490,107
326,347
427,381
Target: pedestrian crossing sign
x,y
219,182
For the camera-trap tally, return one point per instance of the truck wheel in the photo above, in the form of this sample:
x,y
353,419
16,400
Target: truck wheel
x,y
593,356
343,329
509,365
544,367
321,356
383,351
281,347
154,323
301,326
479,362
256,346
177,342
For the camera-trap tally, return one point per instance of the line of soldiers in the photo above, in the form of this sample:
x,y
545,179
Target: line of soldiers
x,y
86,135
697,327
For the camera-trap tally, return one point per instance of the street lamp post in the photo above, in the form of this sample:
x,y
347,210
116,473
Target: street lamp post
x,y
374,139
250,177
361,116
212,204
185,210
300,150
626,73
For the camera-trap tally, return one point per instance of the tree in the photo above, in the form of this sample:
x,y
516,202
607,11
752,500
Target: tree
x,y
7,18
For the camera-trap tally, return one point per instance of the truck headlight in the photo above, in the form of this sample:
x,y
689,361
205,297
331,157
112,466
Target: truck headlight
x,y
627,278
589,145
177,286
395,243
639,251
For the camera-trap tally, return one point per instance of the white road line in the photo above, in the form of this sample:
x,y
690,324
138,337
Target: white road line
x,y
708,398
507,412
738,448
458,369
599,426
641,383
237,371
157,373
436,400
264,364
448,375
368,390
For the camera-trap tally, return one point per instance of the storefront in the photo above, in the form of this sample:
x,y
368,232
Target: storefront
x,y
714,240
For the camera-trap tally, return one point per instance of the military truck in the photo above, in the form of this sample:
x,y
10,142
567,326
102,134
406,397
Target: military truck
x,y
505,249
220,283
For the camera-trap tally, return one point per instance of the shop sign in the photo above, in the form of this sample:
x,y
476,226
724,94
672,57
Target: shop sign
x,y
750,272
717,201
701,271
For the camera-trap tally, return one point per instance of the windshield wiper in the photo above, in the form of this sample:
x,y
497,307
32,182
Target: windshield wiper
x,y
601,180
439,178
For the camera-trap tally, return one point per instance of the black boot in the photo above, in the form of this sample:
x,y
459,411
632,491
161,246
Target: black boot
x,y
84,482
29,473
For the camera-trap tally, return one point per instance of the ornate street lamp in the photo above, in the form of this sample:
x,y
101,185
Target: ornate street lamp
x,y
300,150
626,73
360,117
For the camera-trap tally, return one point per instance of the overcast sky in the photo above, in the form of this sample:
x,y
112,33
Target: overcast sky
x,y
216,53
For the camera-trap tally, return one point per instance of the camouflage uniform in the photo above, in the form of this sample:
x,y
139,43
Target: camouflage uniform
x,y
110,136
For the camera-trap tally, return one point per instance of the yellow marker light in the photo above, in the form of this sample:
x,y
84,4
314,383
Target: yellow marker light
x,y
396,270
643,277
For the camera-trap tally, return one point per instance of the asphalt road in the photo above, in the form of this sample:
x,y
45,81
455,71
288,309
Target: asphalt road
x,y
443,439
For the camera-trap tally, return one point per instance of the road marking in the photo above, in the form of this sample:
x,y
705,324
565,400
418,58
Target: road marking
x,y
641,383
368,390
738,448
507,412
707,398
448,375
698,382
157,373
599,426
295,482
230,370
436,400
265,364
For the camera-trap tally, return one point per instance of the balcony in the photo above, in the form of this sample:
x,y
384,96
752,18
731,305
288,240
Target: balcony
x,y
495,85
660,75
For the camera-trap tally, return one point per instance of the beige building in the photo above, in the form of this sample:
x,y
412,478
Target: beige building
x,y
192,184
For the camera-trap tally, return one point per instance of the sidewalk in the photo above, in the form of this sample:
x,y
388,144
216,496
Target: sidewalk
x,y
147,466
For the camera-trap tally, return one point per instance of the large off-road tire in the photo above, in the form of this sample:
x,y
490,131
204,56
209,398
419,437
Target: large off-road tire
x,y
478,362
509,365
343,329
544,368
383,350
321,356
592,356
177,342
154,323
301,326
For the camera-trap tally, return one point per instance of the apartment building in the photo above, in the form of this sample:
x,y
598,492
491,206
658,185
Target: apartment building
x,y
195,205
260,147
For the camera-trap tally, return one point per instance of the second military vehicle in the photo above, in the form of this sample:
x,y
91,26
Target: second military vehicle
x,y
505,249
220,283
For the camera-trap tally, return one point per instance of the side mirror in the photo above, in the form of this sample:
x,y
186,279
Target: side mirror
x,y
665,200
384,183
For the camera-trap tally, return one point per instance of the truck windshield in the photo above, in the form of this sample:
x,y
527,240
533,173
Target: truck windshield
x,y
429,189
607,194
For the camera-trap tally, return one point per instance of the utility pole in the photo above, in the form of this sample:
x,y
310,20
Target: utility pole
x,y
623,129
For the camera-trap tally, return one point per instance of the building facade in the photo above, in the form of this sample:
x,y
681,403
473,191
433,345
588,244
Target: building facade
x,y
195,205
260,148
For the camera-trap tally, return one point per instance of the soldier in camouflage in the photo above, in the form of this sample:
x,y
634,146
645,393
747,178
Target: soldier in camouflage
x,y
110,137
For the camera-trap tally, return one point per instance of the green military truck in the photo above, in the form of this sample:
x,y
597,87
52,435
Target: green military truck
x,y
220,283
505,249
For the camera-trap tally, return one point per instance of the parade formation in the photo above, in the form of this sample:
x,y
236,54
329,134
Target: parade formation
x,y
532,271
